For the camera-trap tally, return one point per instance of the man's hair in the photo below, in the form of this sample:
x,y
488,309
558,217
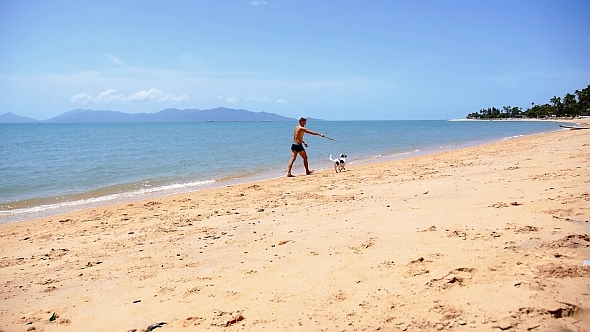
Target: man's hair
x,y
302,119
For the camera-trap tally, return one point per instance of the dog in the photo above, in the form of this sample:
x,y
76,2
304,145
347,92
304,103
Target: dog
x,y
339,163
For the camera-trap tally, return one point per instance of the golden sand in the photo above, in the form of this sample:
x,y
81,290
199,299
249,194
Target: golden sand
x,y
487,238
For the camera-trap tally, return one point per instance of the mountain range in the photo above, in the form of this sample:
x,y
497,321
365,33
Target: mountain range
x,y
166,115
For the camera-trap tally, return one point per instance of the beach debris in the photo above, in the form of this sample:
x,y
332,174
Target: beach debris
x,y
284,242
498,205
429,229
365,245
458,233
515,203
234,317
237,318
195,321
136,301
91,264
53,317
526,229
154,326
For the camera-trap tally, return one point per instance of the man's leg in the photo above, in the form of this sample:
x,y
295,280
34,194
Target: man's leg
x,y
293,157
305,163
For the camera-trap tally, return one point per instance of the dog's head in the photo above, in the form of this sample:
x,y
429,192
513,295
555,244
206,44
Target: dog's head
x,y
342,156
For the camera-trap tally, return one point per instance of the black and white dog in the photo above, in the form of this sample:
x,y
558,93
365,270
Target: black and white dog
x,y
339,163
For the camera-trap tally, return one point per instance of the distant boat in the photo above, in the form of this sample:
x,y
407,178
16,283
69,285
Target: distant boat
x,y
574,127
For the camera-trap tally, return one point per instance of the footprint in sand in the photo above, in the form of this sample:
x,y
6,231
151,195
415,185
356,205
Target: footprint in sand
x,y
459,276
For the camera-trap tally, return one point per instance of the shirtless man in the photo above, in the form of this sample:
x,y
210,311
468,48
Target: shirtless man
x,y
298,145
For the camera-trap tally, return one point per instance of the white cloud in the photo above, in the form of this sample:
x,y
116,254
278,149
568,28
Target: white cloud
x,y
110,95
280,101
145,95
81,96
258,3
232,100
257,99
176,98
114,59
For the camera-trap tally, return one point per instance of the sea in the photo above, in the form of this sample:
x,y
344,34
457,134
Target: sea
x,y
47,169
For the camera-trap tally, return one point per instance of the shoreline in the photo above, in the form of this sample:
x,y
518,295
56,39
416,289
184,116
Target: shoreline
x,y
45,210
484,238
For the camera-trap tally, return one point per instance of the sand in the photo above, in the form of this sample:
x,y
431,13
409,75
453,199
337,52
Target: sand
x,y
487,238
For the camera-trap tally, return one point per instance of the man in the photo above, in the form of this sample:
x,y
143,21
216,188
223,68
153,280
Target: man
x,y
298,146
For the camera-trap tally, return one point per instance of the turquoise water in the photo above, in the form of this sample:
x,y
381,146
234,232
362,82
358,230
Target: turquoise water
x,y
47,169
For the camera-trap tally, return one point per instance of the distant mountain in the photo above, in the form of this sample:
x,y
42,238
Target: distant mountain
x,y
88,116
167,115
13,118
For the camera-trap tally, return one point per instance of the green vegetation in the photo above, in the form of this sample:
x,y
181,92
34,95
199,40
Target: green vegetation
x,y
572,105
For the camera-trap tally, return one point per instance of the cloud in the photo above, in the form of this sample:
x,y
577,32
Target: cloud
x,y
84,96
176,98
145,95
114,59
258,3
280,101
232,100
257,99
110,95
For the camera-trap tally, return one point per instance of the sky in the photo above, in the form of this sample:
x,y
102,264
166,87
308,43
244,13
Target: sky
x,y
333,60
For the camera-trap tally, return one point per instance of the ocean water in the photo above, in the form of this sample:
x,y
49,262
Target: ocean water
x,y
48,169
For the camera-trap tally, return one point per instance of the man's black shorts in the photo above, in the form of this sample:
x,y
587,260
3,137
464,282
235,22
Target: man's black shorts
x,y
297,147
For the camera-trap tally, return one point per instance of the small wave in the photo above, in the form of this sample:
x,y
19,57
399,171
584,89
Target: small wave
x,y
511,137
451,145
173,187
23,213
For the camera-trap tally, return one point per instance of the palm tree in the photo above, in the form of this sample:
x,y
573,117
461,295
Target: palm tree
x,y
583,100
570,106
557,106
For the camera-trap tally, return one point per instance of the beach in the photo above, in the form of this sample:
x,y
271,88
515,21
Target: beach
x,y
485,238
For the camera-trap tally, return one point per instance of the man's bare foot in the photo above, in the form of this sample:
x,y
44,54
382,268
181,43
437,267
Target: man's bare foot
x,y
310,172
290,175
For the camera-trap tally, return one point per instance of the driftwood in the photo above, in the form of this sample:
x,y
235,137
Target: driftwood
x,y
574,127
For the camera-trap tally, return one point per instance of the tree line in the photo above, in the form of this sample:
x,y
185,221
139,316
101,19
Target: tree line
x,y
572,105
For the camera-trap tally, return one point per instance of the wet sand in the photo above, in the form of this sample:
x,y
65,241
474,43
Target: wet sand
x,y
486,238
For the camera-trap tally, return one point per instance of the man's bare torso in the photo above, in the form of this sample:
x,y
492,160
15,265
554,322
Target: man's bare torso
x,y
298,134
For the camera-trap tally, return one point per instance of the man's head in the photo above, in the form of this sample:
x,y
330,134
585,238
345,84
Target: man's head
x,y
302,121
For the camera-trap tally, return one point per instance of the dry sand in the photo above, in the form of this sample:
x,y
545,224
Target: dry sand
x,y
487,238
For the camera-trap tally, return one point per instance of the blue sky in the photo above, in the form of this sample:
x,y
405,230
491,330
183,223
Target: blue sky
x,y
336,60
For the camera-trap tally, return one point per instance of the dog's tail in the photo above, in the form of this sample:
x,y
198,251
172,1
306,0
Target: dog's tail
x,y
331,158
